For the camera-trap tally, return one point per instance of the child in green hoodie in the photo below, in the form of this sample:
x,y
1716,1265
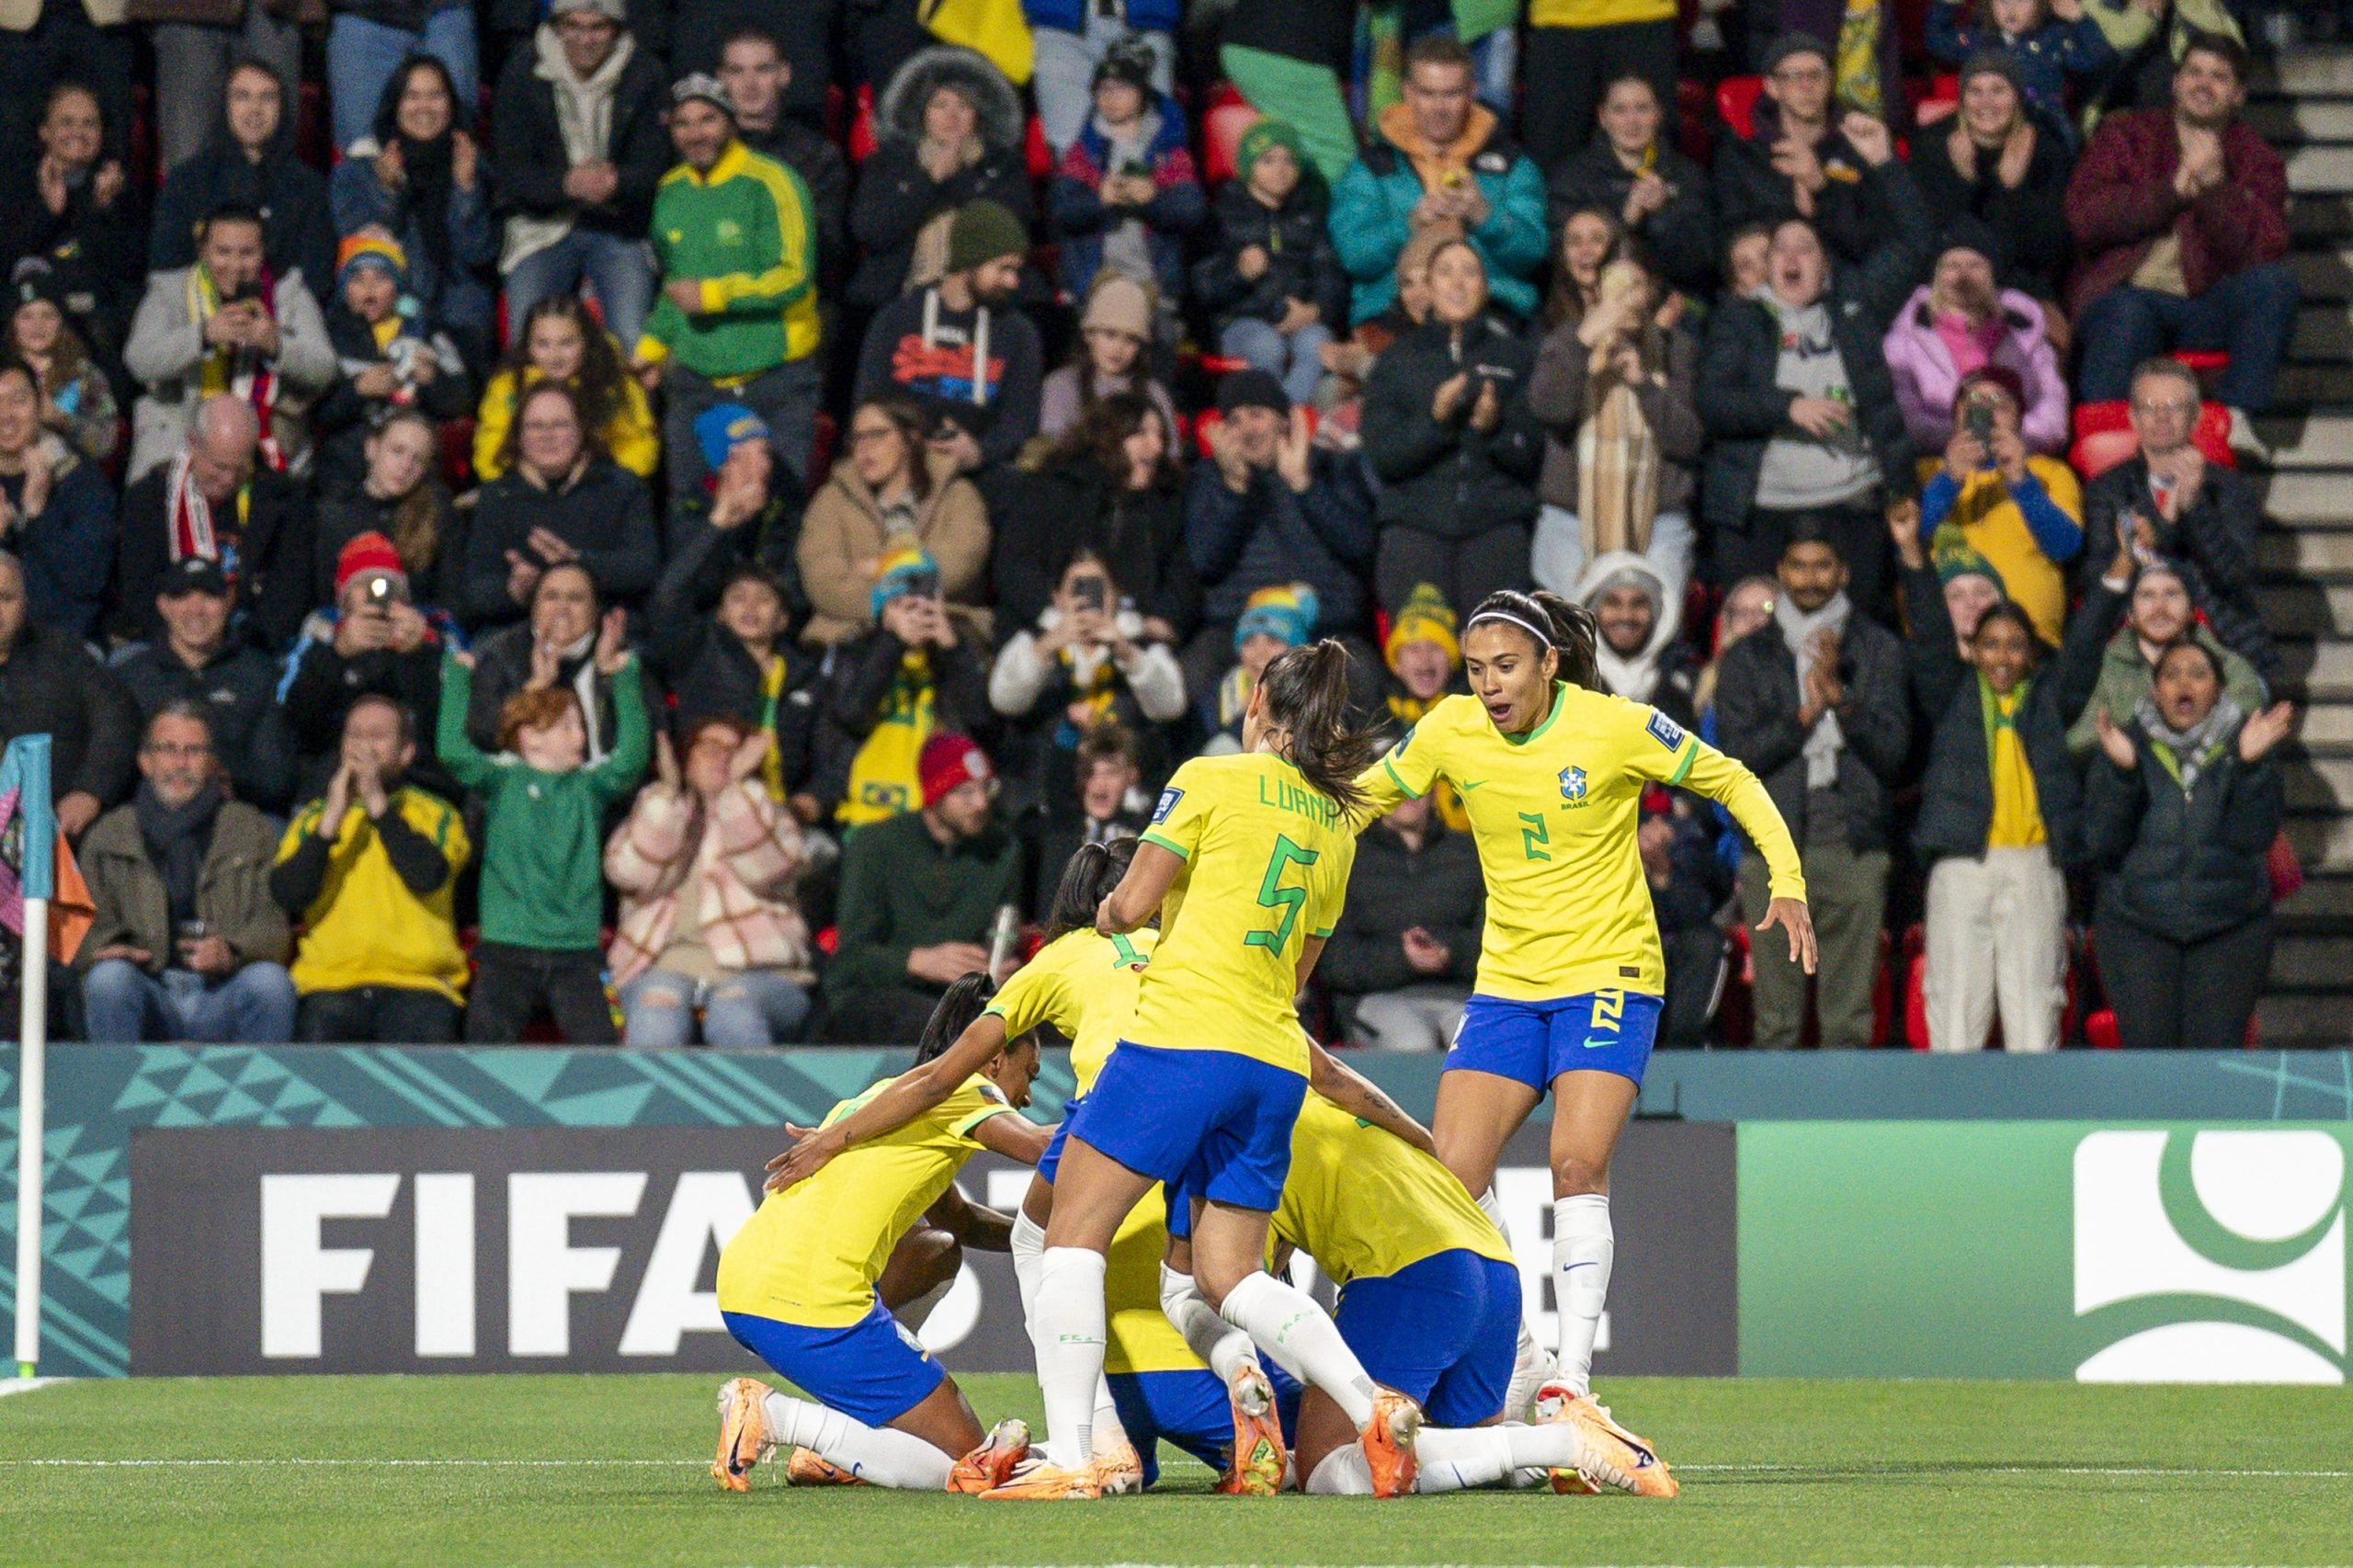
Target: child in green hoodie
x,y
542,880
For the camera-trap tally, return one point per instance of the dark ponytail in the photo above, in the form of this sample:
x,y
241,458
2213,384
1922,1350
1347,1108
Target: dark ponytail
x,y
1569,630
957,1006
1307,697
1086,882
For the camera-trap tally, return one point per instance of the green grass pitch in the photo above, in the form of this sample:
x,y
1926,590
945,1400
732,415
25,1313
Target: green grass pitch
x,y
454,1472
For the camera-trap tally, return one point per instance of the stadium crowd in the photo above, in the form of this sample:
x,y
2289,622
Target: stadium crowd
x,y
676,517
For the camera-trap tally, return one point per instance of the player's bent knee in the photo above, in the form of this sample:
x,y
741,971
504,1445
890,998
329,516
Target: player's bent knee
x,y
1575,1175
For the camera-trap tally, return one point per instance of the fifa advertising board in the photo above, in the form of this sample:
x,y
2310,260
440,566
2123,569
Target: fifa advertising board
x,y
2093,1251
574,1249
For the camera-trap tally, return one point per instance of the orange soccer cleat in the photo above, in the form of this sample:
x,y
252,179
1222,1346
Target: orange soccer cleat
x,y
1259,1458
1612,1451
992,1464
808,1468
744,1439
1120,1473
1388,1440
1035,1481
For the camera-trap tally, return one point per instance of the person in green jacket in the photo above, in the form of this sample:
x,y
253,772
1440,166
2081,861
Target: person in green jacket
x,y
736,238
543,877
2150,608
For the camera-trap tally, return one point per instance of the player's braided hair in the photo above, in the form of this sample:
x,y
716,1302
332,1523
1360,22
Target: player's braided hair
x,y
1569,630
1307,697
954,1013
1086,882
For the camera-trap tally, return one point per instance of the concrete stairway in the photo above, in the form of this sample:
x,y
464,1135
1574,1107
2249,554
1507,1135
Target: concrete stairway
x,y
2305,102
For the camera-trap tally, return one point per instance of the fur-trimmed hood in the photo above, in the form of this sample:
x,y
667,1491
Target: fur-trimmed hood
x,y
899,116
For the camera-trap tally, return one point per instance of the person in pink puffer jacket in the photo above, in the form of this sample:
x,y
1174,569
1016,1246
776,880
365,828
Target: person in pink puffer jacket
x,y
1959,321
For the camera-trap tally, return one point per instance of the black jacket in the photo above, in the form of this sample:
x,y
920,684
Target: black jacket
x,y
237,688
2183,866
1749,189
604,514
526,143
1391,890
821,167
99,254
897,197
502,668
437,585
1300,262
1956,793
1756,722
273,557
1680,237
342,417
1324,537
2029,221
1450,480
709,672
2213,540
298,227
1138,534
51,685
856,678
1744,408
320,686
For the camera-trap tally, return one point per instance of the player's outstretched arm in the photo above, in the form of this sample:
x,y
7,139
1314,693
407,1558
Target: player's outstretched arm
x,y
908,1096
1149,876
1740,793
1360,1098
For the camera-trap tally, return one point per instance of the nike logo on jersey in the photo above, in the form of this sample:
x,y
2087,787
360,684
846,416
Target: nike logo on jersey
x,y
1470,784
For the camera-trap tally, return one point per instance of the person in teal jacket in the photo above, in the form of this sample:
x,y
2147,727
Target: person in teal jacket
x,y
1438,158
735,237
543,836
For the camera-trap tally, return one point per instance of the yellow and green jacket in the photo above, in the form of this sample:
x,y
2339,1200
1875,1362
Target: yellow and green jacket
x,y
746,230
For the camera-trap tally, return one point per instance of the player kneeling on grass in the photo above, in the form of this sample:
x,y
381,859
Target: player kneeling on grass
x,y
1429,1301
797,1288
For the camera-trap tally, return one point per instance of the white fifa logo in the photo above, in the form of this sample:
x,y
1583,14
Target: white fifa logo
x,y
2241,1278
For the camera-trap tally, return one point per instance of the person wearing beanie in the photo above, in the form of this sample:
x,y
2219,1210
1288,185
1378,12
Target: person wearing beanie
x,y
920,897
1423,651
1439,160
1126,197
1112,355
963,347
1797,160
2044,51
578,140
1996,162
1272,281
2023,512
735,239
1075,43
1279,615
39,331
195,660
390,354
1961,322
913,673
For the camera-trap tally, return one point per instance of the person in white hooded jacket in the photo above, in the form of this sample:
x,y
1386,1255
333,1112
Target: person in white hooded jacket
x,y
1637,654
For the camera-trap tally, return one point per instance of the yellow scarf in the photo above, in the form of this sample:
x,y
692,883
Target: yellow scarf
x,y
885,779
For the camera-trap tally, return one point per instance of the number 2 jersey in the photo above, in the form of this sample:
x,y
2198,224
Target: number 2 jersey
x,y
1555,814
1083,984
1266,857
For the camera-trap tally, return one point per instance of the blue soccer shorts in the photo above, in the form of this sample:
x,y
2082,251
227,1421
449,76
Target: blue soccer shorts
x,y
1191,1410
874,1371
1443,1332
1214,1124
1535,1042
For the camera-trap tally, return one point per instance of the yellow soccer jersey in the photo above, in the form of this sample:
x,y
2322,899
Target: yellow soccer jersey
x,y
1555,814
1267,859
1083,984
811,1255
1364,1203
1142,1337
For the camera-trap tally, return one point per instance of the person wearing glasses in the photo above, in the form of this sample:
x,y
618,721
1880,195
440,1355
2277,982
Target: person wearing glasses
x,y
185,941
1797,162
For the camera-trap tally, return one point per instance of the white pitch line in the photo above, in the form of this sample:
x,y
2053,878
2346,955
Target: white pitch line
x,y
2121,1472
28,1385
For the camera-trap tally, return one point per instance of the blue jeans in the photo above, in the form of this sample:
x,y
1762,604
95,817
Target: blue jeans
x,y
620,271
1064,73
362,56
123,1004
749,1008
1296,361
2249,315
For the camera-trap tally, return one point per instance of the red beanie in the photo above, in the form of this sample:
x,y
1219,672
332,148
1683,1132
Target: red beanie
x,y
949,760
370,552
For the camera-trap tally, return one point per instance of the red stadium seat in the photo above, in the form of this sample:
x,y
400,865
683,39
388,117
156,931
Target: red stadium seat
x,y
1224,122
1737,103
1039,154
861,142
1938,101
1209,419
2104,437
2203,362
829,941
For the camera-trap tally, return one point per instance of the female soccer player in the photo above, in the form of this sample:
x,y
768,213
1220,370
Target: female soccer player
x,y
797,1289
1570,976
1246,862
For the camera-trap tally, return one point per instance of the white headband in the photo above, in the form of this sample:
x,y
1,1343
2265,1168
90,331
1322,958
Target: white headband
x,y
1543,639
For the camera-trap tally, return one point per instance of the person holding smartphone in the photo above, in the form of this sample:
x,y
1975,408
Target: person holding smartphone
x,y
2023,513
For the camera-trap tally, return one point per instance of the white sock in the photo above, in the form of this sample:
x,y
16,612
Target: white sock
x,y
1286,1320
1532,1366
1225,1347
1583,1246
1067,1332
1108,1433
1455,1459
913,1315
1029,1249
874,1454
